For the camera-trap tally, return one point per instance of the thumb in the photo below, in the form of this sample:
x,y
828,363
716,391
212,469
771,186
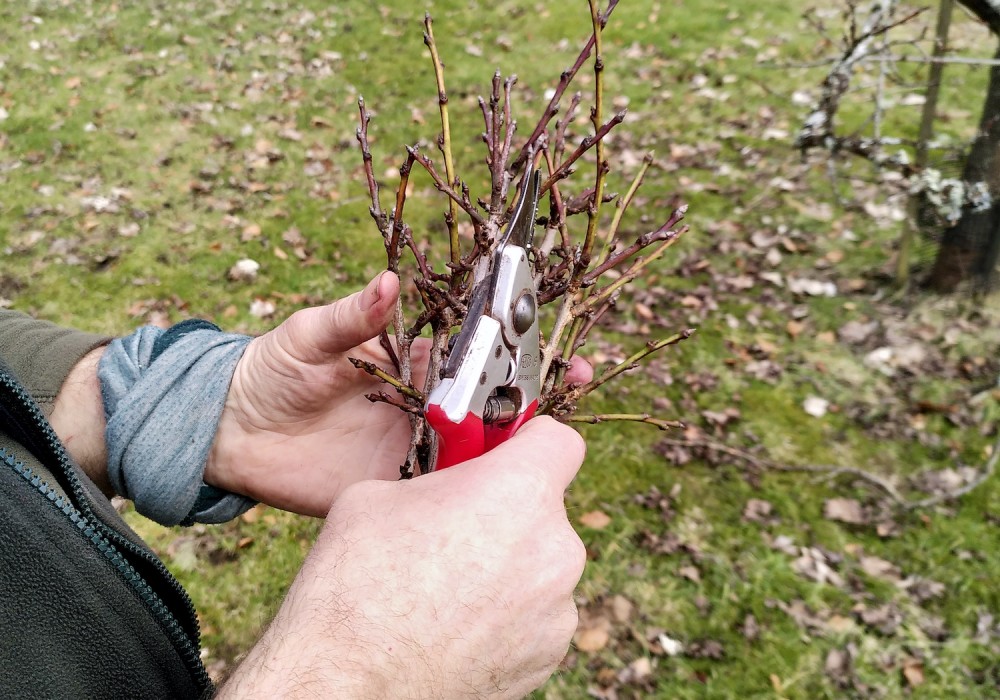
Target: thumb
x,y
322,331
544,447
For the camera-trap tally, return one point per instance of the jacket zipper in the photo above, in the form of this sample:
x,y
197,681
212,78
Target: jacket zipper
x,y
109,542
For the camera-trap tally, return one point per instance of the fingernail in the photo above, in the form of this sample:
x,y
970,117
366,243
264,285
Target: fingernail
x,y
372,294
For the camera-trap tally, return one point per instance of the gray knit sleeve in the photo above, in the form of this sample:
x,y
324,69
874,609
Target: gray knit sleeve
x,y
163,394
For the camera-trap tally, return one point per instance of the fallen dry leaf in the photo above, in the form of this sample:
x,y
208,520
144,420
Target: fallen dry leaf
x,y
880,568
621,608
776,683
705,649
670,646
856,332
637,671
757,511
814,564
250,231
913,672
812,287
845,510
691,573
838,666
885,619
840,624
253,515
595,520
592,639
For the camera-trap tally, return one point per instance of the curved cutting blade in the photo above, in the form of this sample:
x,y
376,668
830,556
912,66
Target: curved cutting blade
x,y
522,223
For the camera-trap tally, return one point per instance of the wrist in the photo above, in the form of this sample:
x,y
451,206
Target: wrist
x,y
218,465
78,419
228,448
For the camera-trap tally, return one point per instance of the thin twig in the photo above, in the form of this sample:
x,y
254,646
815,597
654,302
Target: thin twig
x,y
557,212
577,393
441,185
383,341
559,139
566,167
633,271
383,397
374,370
568,316
664,232
830,471
366,155
564,81
575,337
445,142
593,216
593,317
621,206
634,417
392,246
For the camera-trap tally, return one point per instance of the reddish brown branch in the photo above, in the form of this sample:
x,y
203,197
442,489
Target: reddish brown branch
x,y
588,142
386,345
565,79
663,233
366,155
393,247
383,397
464,202
559,140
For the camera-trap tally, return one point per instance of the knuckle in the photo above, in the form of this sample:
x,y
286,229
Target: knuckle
x,y
564,628
575,443
569,553
572,618
576,554
571,445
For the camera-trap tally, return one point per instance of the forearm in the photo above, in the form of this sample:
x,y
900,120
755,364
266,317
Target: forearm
x,y
316,644
282,665
78,419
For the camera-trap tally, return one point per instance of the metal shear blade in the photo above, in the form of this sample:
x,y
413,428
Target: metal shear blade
x,y
519,232
490,383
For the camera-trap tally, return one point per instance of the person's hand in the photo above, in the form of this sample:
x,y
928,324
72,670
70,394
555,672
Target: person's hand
x,y
297,428
456,584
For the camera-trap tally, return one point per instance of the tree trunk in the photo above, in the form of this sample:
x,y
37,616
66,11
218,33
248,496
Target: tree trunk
x,y
969,249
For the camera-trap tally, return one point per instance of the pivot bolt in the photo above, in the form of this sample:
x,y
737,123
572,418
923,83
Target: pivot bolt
x,y
524,312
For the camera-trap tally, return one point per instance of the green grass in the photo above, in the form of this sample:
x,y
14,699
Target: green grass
x,y
185,102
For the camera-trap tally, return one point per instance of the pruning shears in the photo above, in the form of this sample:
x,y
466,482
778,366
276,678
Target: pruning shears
x,y
491,380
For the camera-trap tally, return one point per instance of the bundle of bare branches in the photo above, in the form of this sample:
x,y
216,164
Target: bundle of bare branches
x,y
580,275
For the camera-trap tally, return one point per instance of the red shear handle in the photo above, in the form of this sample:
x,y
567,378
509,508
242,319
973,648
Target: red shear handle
x,y
501,432
459,442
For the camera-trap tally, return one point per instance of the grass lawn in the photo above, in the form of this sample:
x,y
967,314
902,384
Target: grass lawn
x,y
146,147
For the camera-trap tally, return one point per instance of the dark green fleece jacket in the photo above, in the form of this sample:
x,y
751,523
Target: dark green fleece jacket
x,y
86,609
